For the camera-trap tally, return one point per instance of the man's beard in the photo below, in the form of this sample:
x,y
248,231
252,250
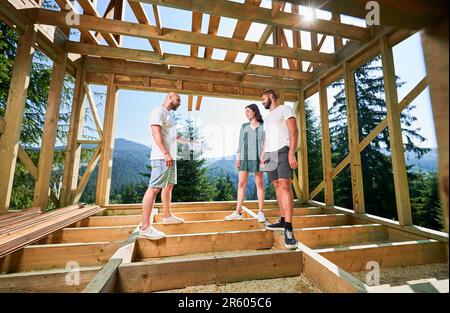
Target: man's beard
x,y
173,106
268,104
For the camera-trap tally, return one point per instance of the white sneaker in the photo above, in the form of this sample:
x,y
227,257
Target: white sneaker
x,y
152,233
234,217
172,220
261,217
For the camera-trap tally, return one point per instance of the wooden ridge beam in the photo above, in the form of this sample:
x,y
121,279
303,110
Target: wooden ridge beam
x,y
264,16
42,16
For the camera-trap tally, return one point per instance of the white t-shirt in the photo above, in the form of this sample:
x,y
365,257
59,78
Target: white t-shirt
x,y
275,127
162,117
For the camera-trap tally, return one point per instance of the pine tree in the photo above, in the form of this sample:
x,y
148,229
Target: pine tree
x,y
378,181
314,144
192,180
225,189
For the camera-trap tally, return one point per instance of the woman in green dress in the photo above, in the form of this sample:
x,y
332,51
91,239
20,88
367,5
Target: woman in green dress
x,y
251,140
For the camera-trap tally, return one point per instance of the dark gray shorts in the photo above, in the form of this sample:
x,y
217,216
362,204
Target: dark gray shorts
x,y
277,164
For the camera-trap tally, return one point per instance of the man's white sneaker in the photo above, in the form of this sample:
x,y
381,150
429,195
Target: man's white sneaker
x,y
234,217
152,233
172,220
261,217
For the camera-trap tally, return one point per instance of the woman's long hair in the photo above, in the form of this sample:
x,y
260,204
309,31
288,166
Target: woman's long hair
x,y
255,109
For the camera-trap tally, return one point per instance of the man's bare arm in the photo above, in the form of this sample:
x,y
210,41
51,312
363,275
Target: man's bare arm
x,y
293,140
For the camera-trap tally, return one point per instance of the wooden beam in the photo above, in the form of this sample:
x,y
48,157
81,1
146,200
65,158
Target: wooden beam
x,y
296,38
241,30
73,148
49,133
67,6
353,141
338,44
46,281
435,44
15,107
86,175
302,153
327,275
213,27
196,28
320,237
190,102
392,254
195,227
167,275
174,245
89,9
409,14
93,107
107,146
264,16
142,55
142,18
43,16
119,14
89,234
40,257
395,135
319,220
199,102
326,147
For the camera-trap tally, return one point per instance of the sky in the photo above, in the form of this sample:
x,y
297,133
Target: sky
x,y
221,118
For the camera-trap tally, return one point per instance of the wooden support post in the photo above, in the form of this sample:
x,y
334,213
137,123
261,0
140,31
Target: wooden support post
x,y
435,47
395,135
15,107
302,154
353,140
326,148
49,135
107,145
73,149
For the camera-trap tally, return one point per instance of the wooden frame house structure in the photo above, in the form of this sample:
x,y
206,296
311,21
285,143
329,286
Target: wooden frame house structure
x,y
35,246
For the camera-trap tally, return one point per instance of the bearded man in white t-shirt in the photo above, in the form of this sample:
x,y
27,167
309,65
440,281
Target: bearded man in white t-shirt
x,y
164,166
279,161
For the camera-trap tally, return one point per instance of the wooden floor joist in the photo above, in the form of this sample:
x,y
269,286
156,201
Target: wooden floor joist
x,y
317,220
167,275
392,254
89,234
174,245
341,235
209,226
47,281
39,257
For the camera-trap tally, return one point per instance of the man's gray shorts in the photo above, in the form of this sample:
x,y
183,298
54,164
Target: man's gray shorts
x,y
277,164
162,175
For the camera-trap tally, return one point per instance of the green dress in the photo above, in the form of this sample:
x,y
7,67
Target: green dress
x,y
250,147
